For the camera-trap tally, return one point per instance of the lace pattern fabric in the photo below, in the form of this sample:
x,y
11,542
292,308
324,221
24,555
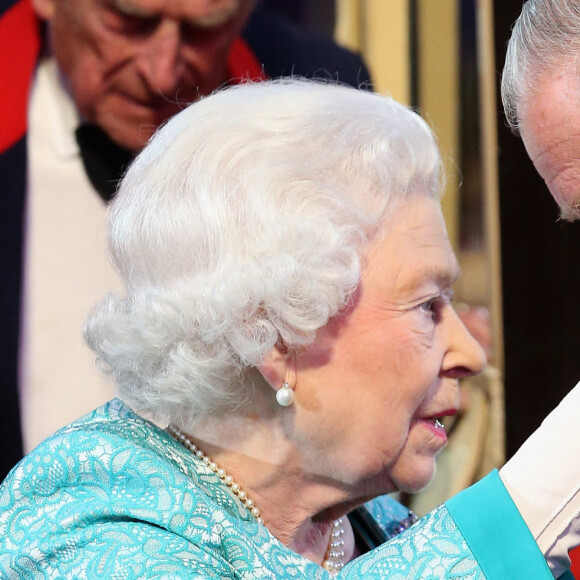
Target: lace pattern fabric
x,y
114,496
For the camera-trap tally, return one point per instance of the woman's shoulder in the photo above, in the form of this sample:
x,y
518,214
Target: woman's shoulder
x,y
106,441
103,456
108,461
113,486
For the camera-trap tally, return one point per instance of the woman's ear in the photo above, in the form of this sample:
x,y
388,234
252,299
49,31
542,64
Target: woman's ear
x,y
278,367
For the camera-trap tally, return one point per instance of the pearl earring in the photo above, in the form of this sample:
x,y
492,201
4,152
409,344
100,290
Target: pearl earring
x,y
285,395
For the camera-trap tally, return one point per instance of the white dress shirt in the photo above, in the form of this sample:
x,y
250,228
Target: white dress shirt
x,y
543,479
67,270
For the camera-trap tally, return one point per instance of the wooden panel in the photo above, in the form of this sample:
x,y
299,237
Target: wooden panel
x,y
438,92
379,30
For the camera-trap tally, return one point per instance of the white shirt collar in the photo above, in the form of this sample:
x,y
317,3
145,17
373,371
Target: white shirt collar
x,y
59,106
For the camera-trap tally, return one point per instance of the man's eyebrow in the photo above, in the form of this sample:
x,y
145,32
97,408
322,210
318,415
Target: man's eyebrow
x,y
218,17
571,212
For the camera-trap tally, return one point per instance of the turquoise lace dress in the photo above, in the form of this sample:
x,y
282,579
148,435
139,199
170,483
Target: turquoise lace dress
x,y
113,496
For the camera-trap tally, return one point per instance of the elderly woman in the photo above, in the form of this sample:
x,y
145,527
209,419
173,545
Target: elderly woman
x,y
284,353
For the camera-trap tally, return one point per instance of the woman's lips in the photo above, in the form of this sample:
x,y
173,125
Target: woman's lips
x,y
435,423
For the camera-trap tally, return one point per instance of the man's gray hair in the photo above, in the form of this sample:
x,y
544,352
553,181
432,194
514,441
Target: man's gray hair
x,y
242,225
545,39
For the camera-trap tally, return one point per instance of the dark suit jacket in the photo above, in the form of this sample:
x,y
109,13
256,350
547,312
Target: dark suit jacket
x,y
269,43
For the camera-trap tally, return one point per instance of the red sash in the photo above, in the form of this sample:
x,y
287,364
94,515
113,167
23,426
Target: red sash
x,y
19,48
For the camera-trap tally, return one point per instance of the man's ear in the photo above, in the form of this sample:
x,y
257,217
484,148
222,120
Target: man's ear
x,y
45,8
278,366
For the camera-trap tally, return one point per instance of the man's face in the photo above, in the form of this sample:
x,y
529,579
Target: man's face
x,y
550,129
132,64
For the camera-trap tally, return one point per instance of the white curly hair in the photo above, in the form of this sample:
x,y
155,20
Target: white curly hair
x,y
242,225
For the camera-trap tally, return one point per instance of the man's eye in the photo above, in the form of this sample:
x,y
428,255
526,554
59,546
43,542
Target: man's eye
x,y
198,35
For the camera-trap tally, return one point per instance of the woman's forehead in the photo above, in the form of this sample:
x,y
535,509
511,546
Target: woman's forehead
x,y
414,247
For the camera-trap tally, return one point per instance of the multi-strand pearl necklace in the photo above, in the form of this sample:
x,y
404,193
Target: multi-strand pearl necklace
x,y
334,556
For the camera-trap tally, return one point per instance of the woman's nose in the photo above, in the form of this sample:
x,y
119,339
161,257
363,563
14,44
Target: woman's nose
x,y
465,357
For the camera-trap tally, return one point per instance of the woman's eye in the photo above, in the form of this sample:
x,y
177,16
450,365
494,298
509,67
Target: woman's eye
x,y
435,305
428,307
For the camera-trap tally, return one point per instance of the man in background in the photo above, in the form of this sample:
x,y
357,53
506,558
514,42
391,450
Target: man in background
x,y
541,97
86,84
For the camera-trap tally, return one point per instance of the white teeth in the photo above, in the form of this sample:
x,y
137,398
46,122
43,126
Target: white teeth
x,y
439,424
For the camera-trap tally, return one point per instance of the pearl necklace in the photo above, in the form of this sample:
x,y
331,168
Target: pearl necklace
x,y
333,558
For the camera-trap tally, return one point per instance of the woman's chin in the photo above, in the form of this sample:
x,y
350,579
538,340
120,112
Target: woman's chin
x,y
416,480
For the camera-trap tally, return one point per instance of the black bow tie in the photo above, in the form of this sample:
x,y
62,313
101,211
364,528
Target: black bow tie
x,y
105,162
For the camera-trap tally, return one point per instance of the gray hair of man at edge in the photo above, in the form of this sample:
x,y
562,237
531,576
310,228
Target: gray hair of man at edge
x,y
242,225
545,38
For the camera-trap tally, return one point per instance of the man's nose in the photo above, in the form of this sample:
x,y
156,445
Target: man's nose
x,y
161,62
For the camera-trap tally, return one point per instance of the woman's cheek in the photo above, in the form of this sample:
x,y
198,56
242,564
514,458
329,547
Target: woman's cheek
x,y
423,329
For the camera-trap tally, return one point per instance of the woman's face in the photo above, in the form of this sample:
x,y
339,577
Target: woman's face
x,y
371,388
